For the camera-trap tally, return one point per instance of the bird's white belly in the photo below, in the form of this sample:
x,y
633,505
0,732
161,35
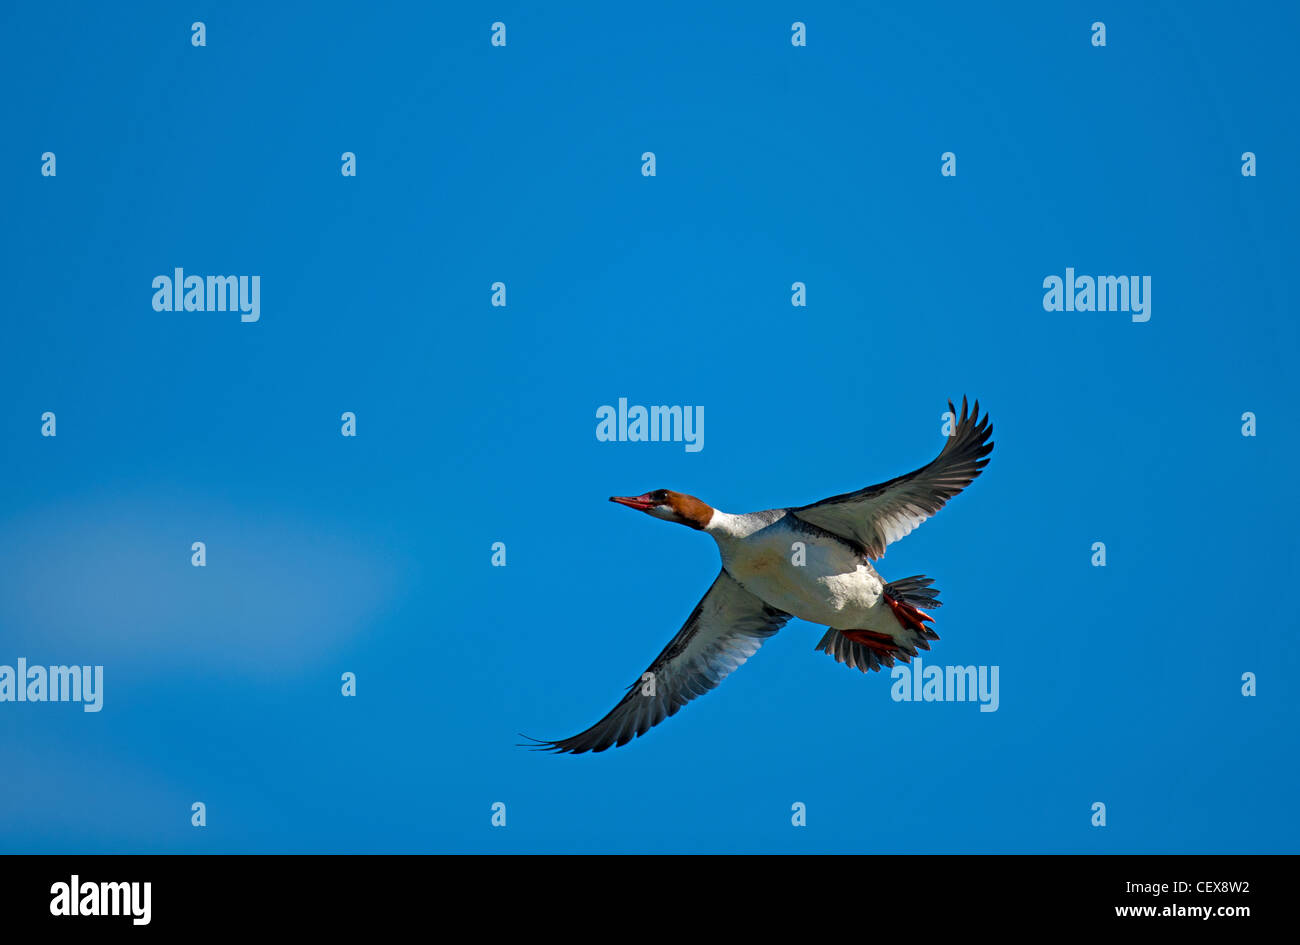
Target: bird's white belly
x,y
816,579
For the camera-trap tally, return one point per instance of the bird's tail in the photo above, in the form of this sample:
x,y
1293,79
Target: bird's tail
x,y
913,595
867,650
909,598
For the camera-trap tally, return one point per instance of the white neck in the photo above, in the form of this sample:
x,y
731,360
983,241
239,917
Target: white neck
x,y
724,525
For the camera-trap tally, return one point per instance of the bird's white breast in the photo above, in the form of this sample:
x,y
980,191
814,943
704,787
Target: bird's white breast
x,y
814,576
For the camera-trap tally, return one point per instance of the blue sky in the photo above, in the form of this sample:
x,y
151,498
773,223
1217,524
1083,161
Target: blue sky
x,y
476,424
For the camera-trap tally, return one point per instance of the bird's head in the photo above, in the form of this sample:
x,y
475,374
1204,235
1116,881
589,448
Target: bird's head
x,y
669,506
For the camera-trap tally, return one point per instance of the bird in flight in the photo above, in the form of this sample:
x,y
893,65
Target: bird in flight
x,y
811,562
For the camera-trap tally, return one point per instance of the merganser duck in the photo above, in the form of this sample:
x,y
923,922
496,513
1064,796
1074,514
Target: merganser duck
x,y
811,562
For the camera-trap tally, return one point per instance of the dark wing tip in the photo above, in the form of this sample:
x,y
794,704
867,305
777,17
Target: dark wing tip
x,y
575,745
970,430
541,744
969,415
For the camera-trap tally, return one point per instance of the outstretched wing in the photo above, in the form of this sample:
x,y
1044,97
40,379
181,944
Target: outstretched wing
x,y
878,515
726,628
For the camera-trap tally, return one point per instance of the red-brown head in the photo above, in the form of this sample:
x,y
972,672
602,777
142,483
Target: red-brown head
x,y
669,506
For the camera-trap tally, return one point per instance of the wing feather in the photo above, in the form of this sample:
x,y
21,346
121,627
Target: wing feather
x,y
878,515
726,628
